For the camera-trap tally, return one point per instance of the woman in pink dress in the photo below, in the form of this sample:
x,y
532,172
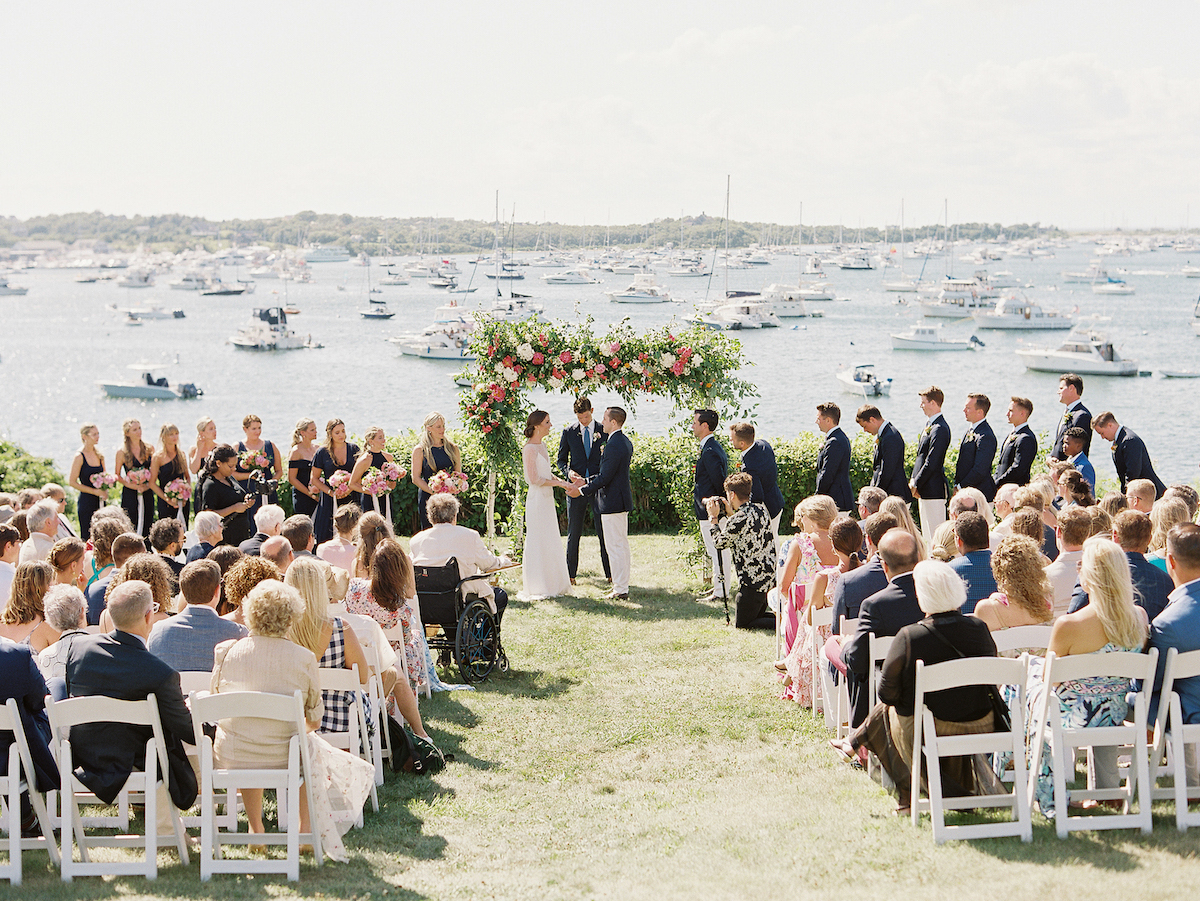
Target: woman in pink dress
x,y
801,558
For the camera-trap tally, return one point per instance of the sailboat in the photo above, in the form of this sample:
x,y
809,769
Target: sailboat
x,y
904,284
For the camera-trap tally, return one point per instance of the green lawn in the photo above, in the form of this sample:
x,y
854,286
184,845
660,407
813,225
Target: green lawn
x,y
639,750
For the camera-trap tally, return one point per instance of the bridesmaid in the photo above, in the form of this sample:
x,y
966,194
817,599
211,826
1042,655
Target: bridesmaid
x,y
134,456
300,461
335,455
87,463
435,453
252,427
206,440
166,466
373,457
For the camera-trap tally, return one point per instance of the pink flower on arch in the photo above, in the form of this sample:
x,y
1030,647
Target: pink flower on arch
x,y
565,356
538,359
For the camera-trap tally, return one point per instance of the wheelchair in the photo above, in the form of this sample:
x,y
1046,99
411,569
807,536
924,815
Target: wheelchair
x,y
469,630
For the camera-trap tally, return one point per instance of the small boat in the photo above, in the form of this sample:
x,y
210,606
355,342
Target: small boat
x,y
268,330
221,289
150,386
11,290
742,314
136,278
1180,373
863,381
1084,350
190,281
149,311
327,253
378,312
1112,286
377,300
87,279
438,281
858,260
393,279
440,342
1094,273
788,302
643,290
929,337
902,284
514,309
695,271
508,272
570,277
420,270
1015,313
1191,271
132,320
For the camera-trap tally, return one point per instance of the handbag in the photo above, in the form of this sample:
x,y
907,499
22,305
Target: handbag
x,y
413,754
1001,716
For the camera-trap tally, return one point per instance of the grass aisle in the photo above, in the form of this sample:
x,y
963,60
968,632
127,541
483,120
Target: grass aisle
x,y
639,750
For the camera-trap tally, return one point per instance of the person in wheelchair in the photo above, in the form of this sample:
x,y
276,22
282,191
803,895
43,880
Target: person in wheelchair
x,y
445,539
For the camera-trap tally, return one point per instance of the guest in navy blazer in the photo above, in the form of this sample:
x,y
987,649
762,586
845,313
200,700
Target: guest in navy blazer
x,y
1151,586
712,466
833,460
758,459
579,451
1178,626
928,482
1019,449
21,680
888,463
1129,454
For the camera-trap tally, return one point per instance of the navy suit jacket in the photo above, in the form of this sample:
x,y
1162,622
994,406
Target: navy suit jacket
x,y
1132,461
855,587
885,613
117,665
199,551
833,469
1017,454
611,483
1081,416
1151,586
21,679
759,460
571,455
929,467
712,466
1178,626
975,456
252,546
888,464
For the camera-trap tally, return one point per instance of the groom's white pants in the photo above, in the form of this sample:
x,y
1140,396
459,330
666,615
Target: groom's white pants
x,y
616,541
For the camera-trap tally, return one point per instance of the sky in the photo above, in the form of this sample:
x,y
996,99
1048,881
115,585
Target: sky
x,y
1081,115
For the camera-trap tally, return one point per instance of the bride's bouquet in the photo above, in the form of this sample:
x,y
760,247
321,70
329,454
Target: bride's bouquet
x,y
138,478
179,491
339,484
449,483
375,482
103,480
253,460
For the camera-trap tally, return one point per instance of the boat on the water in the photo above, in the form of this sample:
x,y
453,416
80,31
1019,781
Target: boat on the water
x,y
1084,350
738,315
513,309
327,253
788,301
926,336
268,330
443,341
643,290
570,277
1112,286
863,381
1017,313
377,312
150,386
148,311
224,289
136,278
190,281
12,290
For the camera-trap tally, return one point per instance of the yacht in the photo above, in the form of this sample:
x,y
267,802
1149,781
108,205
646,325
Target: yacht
x,y
901,284
446,341
377,312
136,278
788,302
856,260
1084,350
189,281
268,330
513,309
1095,272
643,290
738,315
570,277
1016,313
224,289
420,269
393,279
148,311
12,290
264,272
1112,286
692,271
327,253
954,303
863,381
149,386
929,337
508,272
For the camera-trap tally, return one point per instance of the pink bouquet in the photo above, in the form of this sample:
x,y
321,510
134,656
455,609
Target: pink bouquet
x,y
138,477
339,484
103,480
375,482
449,483
179,491
392,472
255,459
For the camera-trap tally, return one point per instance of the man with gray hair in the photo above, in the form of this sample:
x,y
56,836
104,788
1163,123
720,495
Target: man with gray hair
x,y
65,607
269,522
42,521
278,550
869,499
118,665
55,492
445,539
208,529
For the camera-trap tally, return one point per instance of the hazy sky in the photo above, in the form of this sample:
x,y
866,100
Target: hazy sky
x,y
1078,114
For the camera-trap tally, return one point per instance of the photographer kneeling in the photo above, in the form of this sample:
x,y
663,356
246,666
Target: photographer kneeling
x,y
745,528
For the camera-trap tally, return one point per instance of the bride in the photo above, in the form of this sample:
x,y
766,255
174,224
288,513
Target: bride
x,y
545,562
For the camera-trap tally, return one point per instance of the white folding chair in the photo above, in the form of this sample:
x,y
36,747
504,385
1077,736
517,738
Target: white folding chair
x,y
1020,637
1064,741
818,677
355,740
395,636
878,648
194,681
931,747
846,626
378,708
20,777
1172,736
64,715
286,782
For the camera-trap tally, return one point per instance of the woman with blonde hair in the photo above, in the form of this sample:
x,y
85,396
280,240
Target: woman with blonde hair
x,y
1110,622
1166,512
168,465
335,455
132,466
88,462
1024,594
66,558
434,453
300,460
206,442
801,556
899,509
24,618
374,457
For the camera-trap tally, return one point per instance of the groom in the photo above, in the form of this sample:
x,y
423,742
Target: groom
x,y
611,487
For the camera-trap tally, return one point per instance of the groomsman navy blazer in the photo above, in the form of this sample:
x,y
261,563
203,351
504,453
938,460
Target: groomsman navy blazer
x,y
1016,457
888,464
1079,416
833,469
611,484
759,460
711,468
571,455
975,455
1132,460
928,468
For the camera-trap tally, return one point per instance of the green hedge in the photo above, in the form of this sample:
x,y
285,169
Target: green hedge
x,y
20,469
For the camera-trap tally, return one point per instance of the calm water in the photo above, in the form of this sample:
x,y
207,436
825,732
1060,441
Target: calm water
x,y
60,339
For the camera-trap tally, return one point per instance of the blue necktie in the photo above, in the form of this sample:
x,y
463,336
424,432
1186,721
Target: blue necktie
x,y
587,447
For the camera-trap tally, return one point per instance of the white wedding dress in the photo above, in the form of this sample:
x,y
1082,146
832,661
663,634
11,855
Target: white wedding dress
x,y
544,566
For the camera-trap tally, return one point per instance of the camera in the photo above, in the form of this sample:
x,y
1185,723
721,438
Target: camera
x,y
713,500
260,484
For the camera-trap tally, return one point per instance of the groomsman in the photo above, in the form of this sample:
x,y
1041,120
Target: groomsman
x,y
928,482
1019,448
579,451
1073,441
1129,454
712,467
758,459
888,464
833,460
1070,389
978,448
611,486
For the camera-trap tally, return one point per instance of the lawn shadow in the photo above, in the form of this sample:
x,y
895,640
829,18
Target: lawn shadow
x,y
648,605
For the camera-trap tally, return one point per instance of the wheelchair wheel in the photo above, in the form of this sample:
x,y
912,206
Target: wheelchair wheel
x,y
476,644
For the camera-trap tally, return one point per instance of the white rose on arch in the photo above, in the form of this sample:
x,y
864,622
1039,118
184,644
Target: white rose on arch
x,y
577,375
696,361
510,374
636,366
525,352
667,360
555,383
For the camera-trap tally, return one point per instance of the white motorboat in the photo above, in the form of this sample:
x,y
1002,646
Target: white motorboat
x,y
1016,313
643,290
857,260
513,309
741,314
377,312
393,279
1002,279
929,337
420,269
955,304
441,342
901,284
1084,350
11,290
136,278
1112,286
788,302
1191,271
442,281
148,311
268,330
570,277
150,386
448,268
1094,273
863,381
634,268
327,253
695,271
264,272
190,281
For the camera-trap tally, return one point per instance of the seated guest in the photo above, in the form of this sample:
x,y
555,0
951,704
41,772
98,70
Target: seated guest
x,y
66,558
744,527
445,539
1142,494
341,550
42,522
1102,523
965,500
10,555
278,550
121,548
1074,489
1073,529
1113,503
1005,496
1164,515
28,497
855,587
186,641
298,530
1178,626
1188,495
372,530
209,532
801,557
883,614
150,569
869,499
1037,495
66,613
974,561
107,523
896,507
21,681
117,665
166,538
18,523
389,597
24,619
1028,522
943,634
1022,595
241,579
1151,586
268,521
53,492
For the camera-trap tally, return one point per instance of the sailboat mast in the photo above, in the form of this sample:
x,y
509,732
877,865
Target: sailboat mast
x,y
800,253
727,180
